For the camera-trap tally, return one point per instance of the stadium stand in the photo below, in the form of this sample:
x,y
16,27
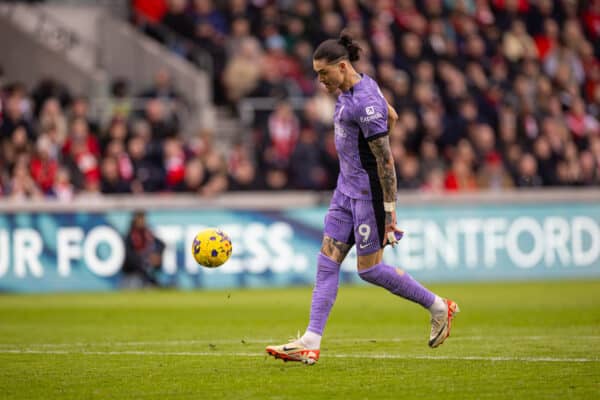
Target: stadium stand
x,y
491,95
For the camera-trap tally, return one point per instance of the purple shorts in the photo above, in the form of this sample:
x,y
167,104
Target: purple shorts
x,y
353,221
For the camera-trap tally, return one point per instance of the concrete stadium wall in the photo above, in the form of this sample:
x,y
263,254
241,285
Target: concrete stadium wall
x,y
36,49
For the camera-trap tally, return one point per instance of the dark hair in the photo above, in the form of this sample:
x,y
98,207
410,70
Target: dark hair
x,y
336,49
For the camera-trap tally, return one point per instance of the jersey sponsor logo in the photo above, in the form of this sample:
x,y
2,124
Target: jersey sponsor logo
x,y
370,110
372,117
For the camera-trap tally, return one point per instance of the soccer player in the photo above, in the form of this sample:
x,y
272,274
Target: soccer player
x,y
363,208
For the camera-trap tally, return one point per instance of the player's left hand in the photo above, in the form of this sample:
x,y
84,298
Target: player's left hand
x,y
392,233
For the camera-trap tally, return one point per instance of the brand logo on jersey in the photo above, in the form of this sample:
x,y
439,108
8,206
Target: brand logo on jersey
x,y
371,115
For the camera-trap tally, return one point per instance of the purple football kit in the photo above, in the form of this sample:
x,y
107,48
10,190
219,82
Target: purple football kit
x,y
356,214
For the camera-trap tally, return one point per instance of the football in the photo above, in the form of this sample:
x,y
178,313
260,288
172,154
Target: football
x,y
211,248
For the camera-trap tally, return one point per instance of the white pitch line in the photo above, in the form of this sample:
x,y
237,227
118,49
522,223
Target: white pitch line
x,y
359,356
261,341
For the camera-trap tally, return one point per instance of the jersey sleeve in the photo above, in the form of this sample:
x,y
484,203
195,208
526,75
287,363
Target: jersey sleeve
x,y
372,116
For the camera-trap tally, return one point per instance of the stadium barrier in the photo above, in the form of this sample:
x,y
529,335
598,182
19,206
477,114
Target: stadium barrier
x,y
52,246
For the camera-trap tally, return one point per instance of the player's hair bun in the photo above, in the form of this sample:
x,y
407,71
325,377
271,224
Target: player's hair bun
x,y
351,46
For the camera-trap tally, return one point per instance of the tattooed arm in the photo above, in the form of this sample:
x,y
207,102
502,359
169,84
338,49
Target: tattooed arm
x,y
385,167
387,177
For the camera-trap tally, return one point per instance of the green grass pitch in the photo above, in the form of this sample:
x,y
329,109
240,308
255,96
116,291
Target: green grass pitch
x,y
511,341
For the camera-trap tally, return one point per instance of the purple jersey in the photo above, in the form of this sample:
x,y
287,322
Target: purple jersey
x,y
360,116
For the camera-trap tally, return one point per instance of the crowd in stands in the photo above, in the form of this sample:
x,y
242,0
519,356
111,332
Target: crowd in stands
x,y
491,94
51,147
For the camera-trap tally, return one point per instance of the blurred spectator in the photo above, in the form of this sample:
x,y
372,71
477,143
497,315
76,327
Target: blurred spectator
x,y
47,88
194,178
580,123
178,20
13,116
150,10
206,38
117,131
112,183
148,176
162,124
81,152
528,172
204,11
591,19
242,172
116,149
63,189
492,174
216,174
460,177
242,73
283,131
44,165
307,171
80,108
276,179
120,101
22,185
517,43
52,114
163,88
143,254
547,161
15,146
174,162
547,40
590,169
434,181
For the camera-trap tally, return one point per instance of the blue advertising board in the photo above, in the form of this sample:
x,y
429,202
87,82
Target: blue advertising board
x,y
80,251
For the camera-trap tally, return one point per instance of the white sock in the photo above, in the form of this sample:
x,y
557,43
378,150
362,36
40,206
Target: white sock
x,y
311,340
438,306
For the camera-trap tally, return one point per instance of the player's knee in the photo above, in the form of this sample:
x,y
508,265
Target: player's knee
x,y
369,260
367,274
331,255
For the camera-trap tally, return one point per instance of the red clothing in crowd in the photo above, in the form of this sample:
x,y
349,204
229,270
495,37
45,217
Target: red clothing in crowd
x,y
591,19
522,7
151,10
453,183
43,171
91,145
284,132
544,45
175,169
85,155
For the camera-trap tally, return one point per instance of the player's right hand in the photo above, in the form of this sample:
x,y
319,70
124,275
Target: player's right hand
x,y
392,233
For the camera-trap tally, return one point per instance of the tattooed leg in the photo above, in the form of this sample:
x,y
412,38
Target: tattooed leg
x,y
334,249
